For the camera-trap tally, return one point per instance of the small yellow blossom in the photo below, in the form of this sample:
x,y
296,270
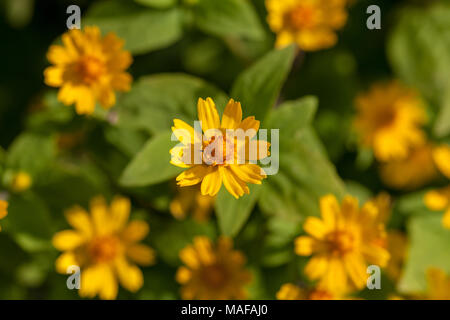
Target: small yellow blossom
x,y
3,210
441,156
342,244
413,172
389,119
439,200
105,246
230,157
21,181
212,272
88,68
291,291
438,285
190,199
311,24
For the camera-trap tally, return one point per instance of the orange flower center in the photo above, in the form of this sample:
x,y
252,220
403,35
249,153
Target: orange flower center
x,y
214,154
341,242
90,69
303,16
215,276
104,249
320,295
385,117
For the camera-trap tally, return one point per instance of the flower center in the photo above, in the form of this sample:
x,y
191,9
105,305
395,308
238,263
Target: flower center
x,y
341,242
104,249
303,16
90,69
385,118
215,154
215,276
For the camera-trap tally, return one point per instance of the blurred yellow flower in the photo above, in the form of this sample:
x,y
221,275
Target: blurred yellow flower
x,y
389,119
88,68
234,170
105,246
21,181
3,210
212,272
416,170
397,245
441,156
190,199
342,243
438,285
289,291
311,24
440,200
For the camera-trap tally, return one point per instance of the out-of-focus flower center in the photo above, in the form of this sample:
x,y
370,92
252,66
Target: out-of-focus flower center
x,y
104,249
303,16
341,242
320,295
90,69
215,276
385,117
213,154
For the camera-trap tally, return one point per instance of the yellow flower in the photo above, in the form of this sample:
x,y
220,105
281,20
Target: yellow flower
x,y
312,24
105,246
190,199
412,172
222,158
438,285
88,68
212,272
438,200
342,243
21,181
441,156
3,210
388,120
291,291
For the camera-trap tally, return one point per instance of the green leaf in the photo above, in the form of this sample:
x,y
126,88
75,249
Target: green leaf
x,y
428,248
31,153
226,18
143,29
233,213
155,101
151,165
161,4
418,49
258,87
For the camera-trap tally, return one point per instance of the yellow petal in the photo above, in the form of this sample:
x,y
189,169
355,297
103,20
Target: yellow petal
x,y
234,185
109,287
141,254
207,114
436,200
330,210
305,246
85,101
211,183
185,133
183,275
315,227
100,216
54,76
3,209
135,231
130,276
376,254
79,219
91,281
316,267
232,116
250,123
356,269
193,175
441,156
67,240
446,219
189,257
64,261
120,212
122,81
251,173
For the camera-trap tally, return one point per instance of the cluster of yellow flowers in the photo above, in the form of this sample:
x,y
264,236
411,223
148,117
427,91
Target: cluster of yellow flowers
x,y
341,243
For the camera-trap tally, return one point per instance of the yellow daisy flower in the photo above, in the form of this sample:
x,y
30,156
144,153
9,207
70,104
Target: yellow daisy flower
x,y
88,68
388,120
3,210
212,272
105,247
441,156
438,285
439,200
226,159
342,243
311,24
413,172
190,199
21,181
289,291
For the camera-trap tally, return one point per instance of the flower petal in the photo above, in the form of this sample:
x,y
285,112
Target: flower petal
x,y
232,116
208,115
